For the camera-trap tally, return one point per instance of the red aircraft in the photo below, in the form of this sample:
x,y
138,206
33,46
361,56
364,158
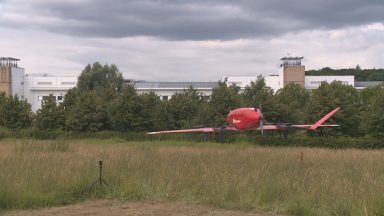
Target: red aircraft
x,y
243,119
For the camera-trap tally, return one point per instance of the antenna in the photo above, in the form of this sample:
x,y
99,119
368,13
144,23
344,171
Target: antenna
x,y
100,181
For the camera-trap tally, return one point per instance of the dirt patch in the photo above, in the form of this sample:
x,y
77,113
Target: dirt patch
x,y
113,207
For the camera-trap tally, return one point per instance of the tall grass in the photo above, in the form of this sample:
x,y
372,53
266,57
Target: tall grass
x,y
298,181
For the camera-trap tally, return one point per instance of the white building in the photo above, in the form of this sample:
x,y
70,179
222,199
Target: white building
x,y
37,87
165,90
273,81
34,87
291,71
313,82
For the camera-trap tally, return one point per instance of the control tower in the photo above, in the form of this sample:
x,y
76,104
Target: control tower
x,y
292,70
11,76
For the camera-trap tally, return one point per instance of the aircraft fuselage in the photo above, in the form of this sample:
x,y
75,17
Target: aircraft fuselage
x,y
244,118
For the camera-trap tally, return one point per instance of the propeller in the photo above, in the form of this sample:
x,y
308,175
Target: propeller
x,y
261,120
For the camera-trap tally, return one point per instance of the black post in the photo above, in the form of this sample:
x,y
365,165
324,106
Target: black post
x,y
101,169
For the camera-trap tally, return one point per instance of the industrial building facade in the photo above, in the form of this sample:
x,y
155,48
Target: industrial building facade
x,y
32,87
35,87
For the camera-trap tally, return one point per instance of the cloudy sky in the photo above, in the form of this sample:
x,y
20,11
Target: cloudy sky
x,y
191,40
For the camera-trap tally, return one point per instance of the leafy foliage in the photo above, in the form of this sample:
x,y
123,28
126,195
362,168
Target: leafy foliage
x,y
87,114
290,103
51,116
258,94
183,108
224,98
16,113
133,112
327,97
3,100
372,118
360,74
101,102
105,80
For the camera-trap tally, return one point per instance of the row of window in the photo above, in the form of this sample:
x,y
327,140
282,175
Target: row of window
x,y
50,83
203,97
58,98
319,82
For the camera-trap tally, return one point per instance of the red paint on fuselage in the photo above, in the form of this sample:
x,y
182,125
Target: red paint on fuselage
x,y
244,118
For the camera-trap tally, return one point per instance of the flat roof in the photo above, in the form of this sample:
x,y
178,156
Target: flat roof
x,y
9,59
292,58
175,85
368,83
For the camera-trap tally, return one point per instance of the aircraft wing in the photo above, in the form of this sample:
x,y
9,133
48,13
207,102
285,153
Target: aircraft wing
x,y
298,127
319,123
194,130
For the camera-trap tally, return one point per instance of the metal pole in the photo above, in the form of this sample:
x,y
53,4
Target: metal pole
x,y
101,169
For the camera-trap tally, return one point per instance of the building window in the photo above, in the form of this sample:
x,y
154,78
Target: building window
x,y
40,98
67,83
59,98
165,97
44,83
205,97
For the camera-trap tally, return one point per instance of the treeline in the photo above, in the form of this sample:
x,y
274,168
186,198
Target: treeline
x,y
101,102
360,74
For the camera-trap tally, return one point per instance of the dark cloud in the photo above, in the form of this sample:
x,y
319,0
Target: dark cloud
x,y
188,20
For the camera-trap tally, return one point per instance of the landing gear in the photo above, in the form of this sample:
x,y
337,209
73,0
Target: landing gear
x,y
284,134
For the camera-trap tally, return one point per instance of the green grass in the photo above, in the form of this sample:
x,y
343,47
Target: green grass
x,y
238,176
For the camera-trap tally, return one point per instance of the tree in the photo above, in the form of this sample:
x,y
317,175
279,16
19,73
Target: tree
x,y
123,113
17,113
329,96
259,94
372,115
150,112
290,102
358,68
51,116
87,113
223,99
183,109
133,112
3,100
105,80
86,105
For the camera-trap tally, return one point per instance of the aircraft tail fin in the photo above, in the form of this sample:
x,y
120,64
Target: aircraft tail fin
x,y
322,120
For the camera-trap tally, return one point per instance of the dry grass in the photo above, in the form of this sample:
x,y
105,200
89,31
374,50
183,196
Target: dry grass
x,y
327,182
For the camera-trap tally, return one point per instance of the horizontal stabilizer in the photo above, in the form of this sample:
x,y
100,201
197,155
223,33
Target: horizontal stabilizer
x,y
204,130
322,120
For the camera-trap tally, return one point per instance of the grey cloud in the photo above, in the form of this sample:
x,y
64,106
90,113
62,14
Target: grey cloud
x,y
188,20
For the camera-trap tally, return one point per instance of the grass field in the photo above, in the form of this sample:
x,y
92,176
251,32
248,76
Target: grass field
x,y
298,181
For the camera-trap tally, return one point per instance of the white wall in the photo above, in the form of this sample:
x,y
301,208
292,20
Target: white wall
x,y
313,82
242,81
36,87
18,75
46,82
274,82
170,92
